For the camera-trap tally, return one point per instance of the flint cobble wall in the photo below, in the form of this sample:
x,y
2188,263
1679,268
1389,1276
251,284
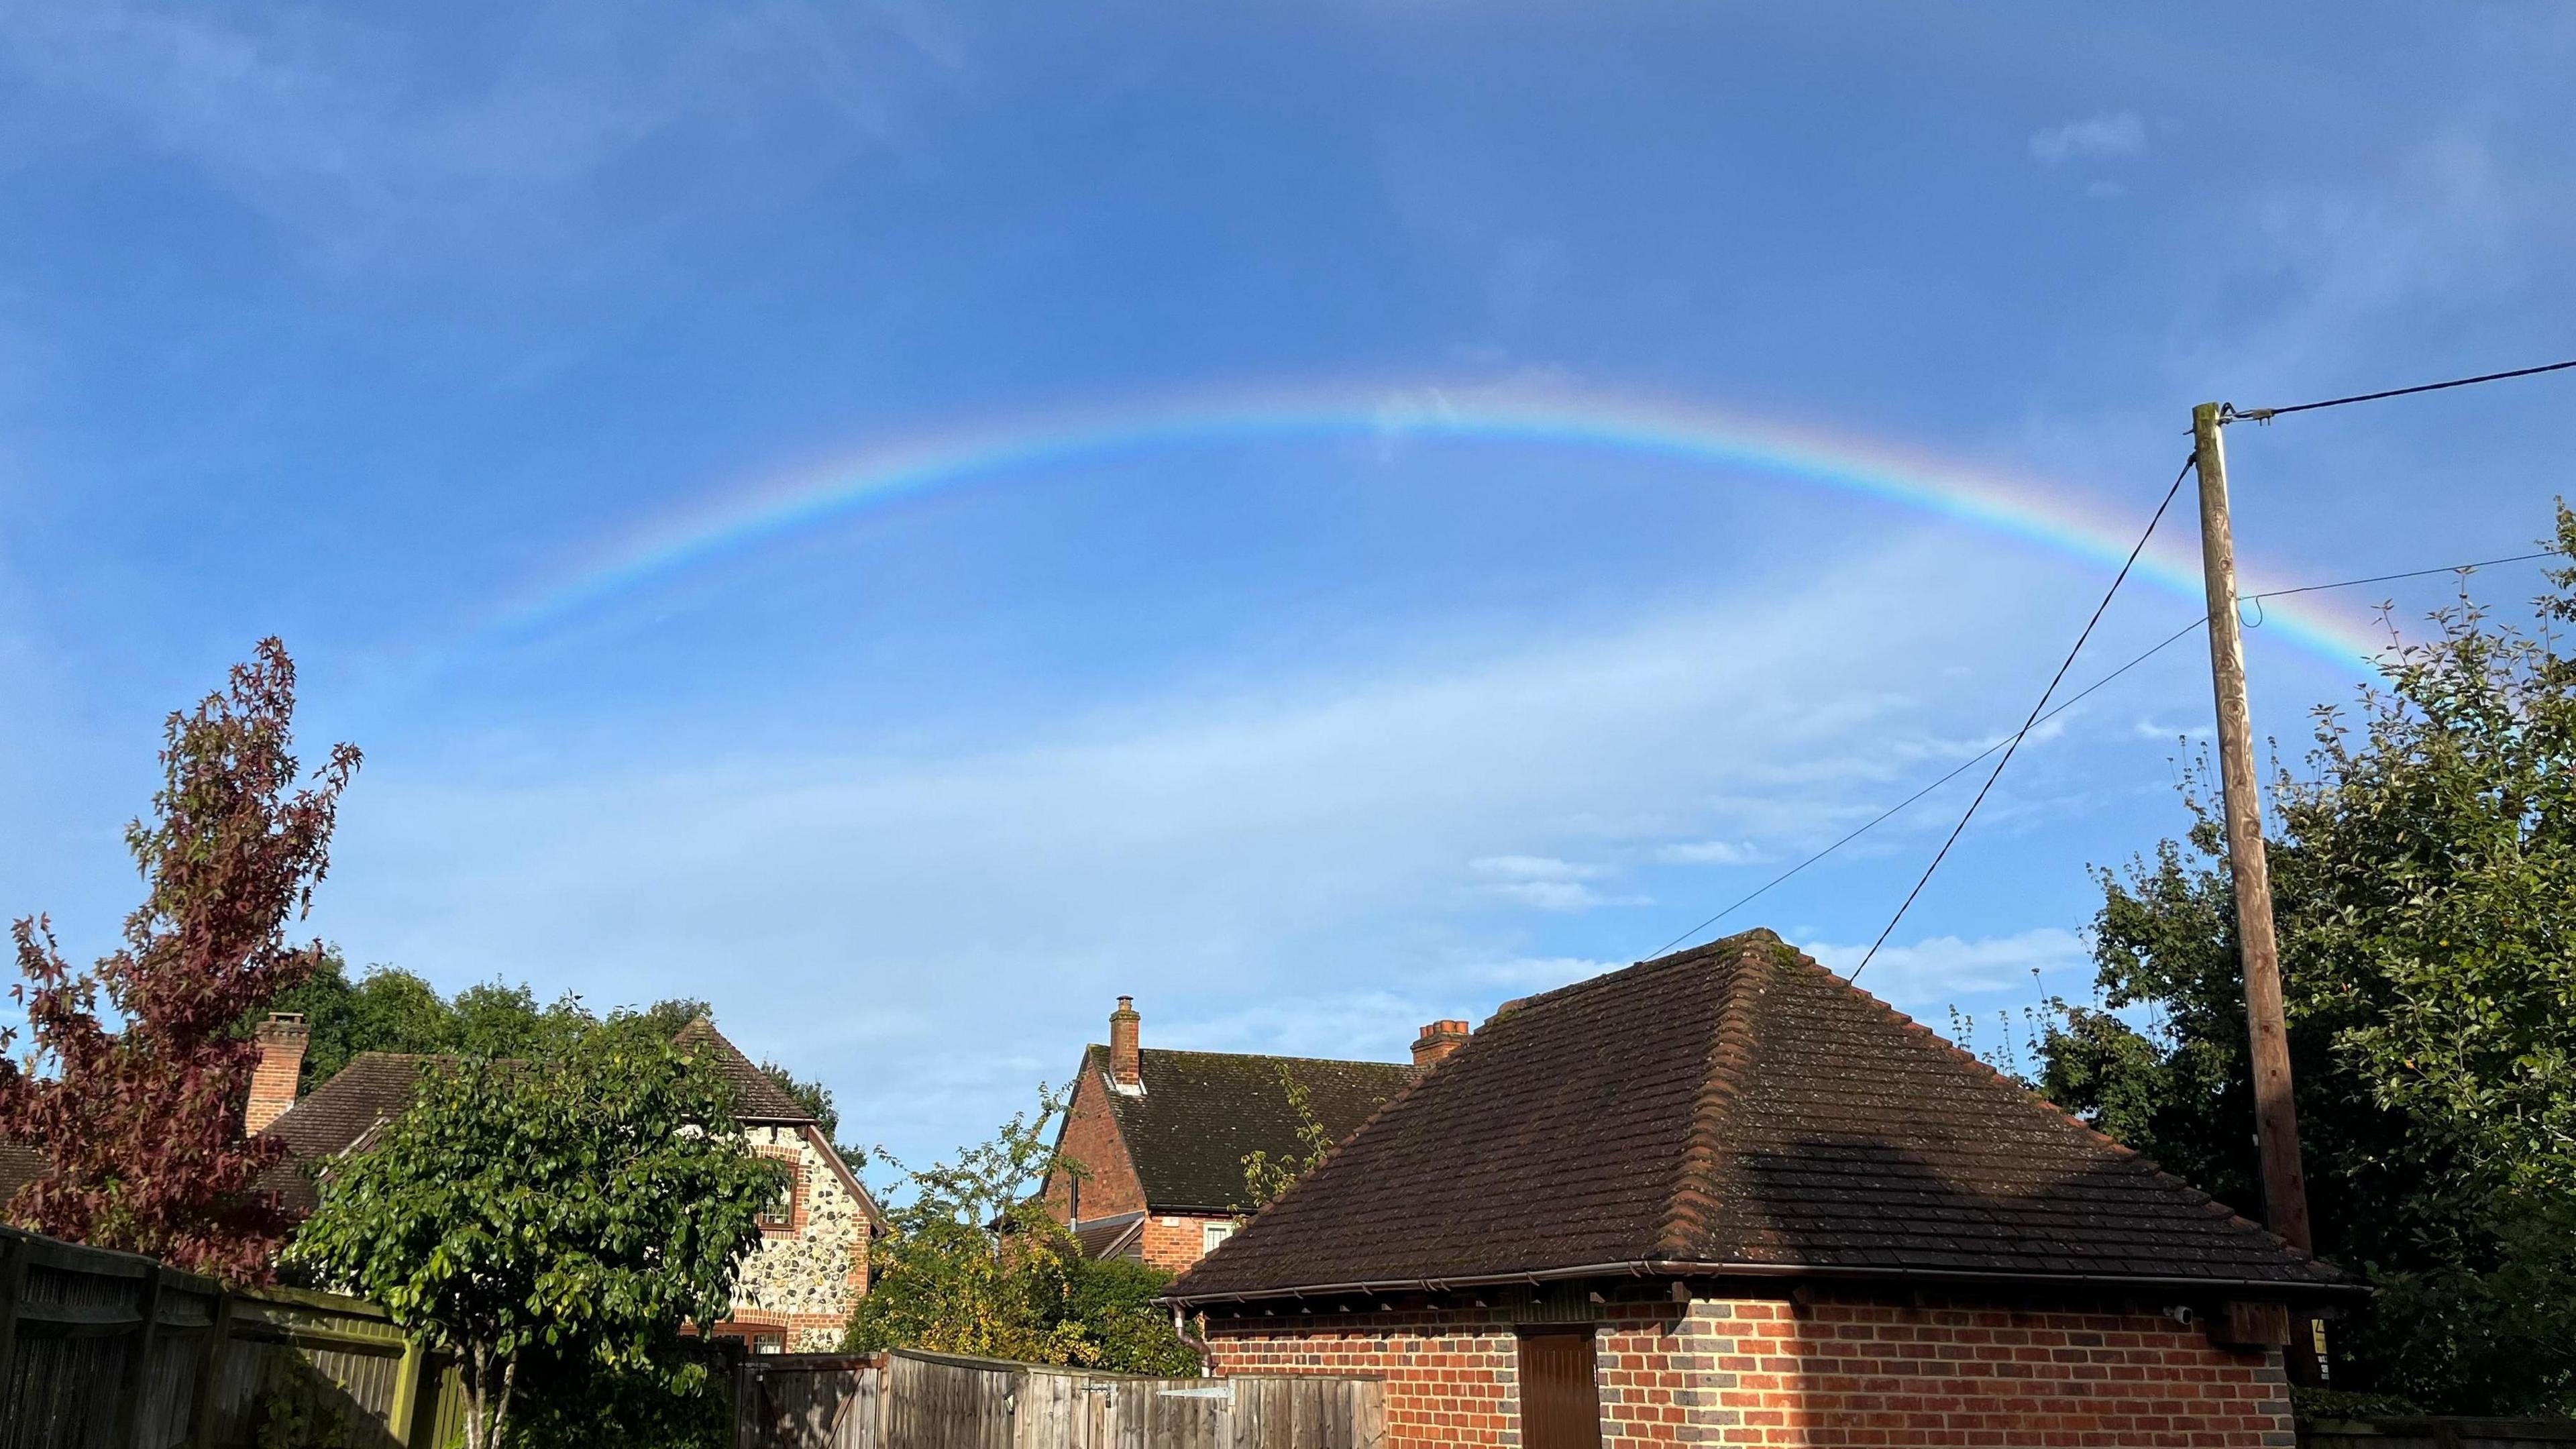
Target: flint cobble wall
x,y
806,1278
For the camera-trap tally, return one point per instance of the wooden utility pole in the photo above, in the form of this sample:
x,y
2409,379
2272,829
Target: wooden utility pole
x,y
2276,1117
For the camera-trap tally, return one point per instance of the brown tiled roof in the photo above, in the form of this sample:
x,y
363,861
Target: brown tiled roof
x,y
1122,1236
374,1087
757,1095
1202,1113
1732,1107
20,1164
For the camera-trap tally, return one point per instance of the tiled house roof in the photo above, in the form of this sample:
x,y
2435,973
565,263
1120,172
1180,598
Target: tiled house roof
x,y
1201,1113
1112,1237
20,1164
757,1097
375,1087
1734,1108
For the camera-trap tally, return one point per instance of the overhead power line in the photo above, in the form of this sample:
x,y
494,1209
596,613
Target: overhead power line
x,y
2035,711
2231,414
2062,706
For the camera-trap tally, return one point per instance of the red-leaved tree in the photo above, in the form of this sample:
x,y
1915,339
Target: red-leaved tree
x,y
140,1120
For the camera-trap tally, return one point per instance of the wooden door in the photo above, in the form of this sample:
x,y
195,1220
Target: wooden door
x,y
1560,1405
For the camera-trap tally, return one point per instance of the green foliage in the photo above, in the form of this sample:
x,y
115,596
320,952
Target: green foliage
x,y
1265,1177
387,1010
391,1010
2425,884
300,1409
570,1210
816,1099
974,1265
566,1400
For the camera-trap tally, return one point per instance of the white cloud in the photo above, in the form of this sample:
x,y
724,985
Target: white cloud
x,y
2113,133
1529,975
865,913
1709,852
1938,970
374,139
1558,895
1535,867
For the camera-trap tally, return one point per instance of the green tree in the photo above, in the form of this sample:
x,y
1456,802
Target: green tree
x,y
391,1010
386,1010
2424,875
974,1265
576,1207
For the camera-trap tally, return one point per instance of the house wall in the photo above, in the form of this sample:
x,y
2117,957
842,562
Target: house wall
x,y
804,1279
1091,1140
1174,1241
1843,1371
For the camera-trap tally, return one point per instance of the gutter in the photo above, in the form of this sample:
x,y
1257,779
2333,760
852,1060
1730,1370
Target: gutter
x,y
1678,1268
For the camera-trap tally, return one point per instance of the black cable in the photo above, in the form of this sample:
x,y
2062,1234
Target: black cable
x,y
2229,413
1891,811
2063,706
2409,574
2026,725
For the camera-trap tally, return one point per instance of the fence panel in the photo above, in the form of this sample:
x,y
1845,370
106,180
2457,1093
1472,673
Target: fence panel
x,y
817,1401
103,1350
912,1400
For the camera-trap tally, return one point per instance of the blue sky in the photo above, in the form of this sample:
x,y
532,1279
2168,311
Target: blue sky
x,y
371,328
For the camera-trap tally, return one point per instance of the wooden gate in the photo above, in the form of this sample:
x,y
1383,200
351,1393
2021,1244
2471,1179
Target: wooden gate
x,y
912,1400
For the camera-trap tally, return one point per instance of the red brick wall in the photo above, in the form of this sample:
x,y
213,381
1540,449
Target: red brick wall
x,y
1839,1372
1449,1377
1091,1139
1174,1243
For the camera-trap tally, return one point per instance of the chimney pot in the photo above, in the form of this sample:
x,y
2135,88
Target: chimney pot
x,y
282,1039
1437,1041
1126,1056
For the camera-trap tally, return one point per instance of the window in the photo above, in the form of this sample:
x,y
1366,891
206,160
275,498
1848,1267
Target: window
x,y
780,1216
769,1343
1212,1234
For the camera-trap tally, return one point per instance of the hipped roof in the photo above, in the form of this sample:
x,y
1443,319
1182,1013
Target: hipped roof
x,y
1736,1107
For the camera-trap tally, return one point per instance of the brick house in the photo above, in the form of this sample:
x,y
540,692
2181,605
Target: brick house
x,y
797,1288
1154,1140
1727,1197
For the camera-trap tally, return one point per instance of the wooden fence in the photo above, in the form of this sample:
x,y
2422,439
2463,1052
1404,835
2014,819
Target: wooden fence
x,y
2436,1433
102,1350
911,1400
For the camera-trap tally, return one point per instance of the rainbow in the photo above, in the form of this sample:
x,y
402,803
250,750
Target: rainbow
x,y
743,520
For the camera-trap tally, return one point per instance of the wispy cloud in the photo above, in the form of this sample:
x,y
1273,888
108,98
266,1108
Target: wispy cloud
x,y
1221,851
1710,852
1535,868
2113,133
375,141
1938,970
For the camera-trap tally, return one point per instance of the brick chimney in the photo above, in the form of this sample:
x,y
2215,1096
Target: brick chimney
x,y
1126,1059
281,1063
1437,1041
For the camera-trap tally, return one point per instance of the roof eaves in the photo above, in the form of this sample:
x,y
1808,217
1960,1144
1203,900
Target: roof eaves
x,y
2309,1290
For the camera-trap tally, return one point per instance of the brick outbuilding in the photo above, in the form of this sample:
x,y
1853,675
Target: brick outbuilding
x,y
1726,1197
